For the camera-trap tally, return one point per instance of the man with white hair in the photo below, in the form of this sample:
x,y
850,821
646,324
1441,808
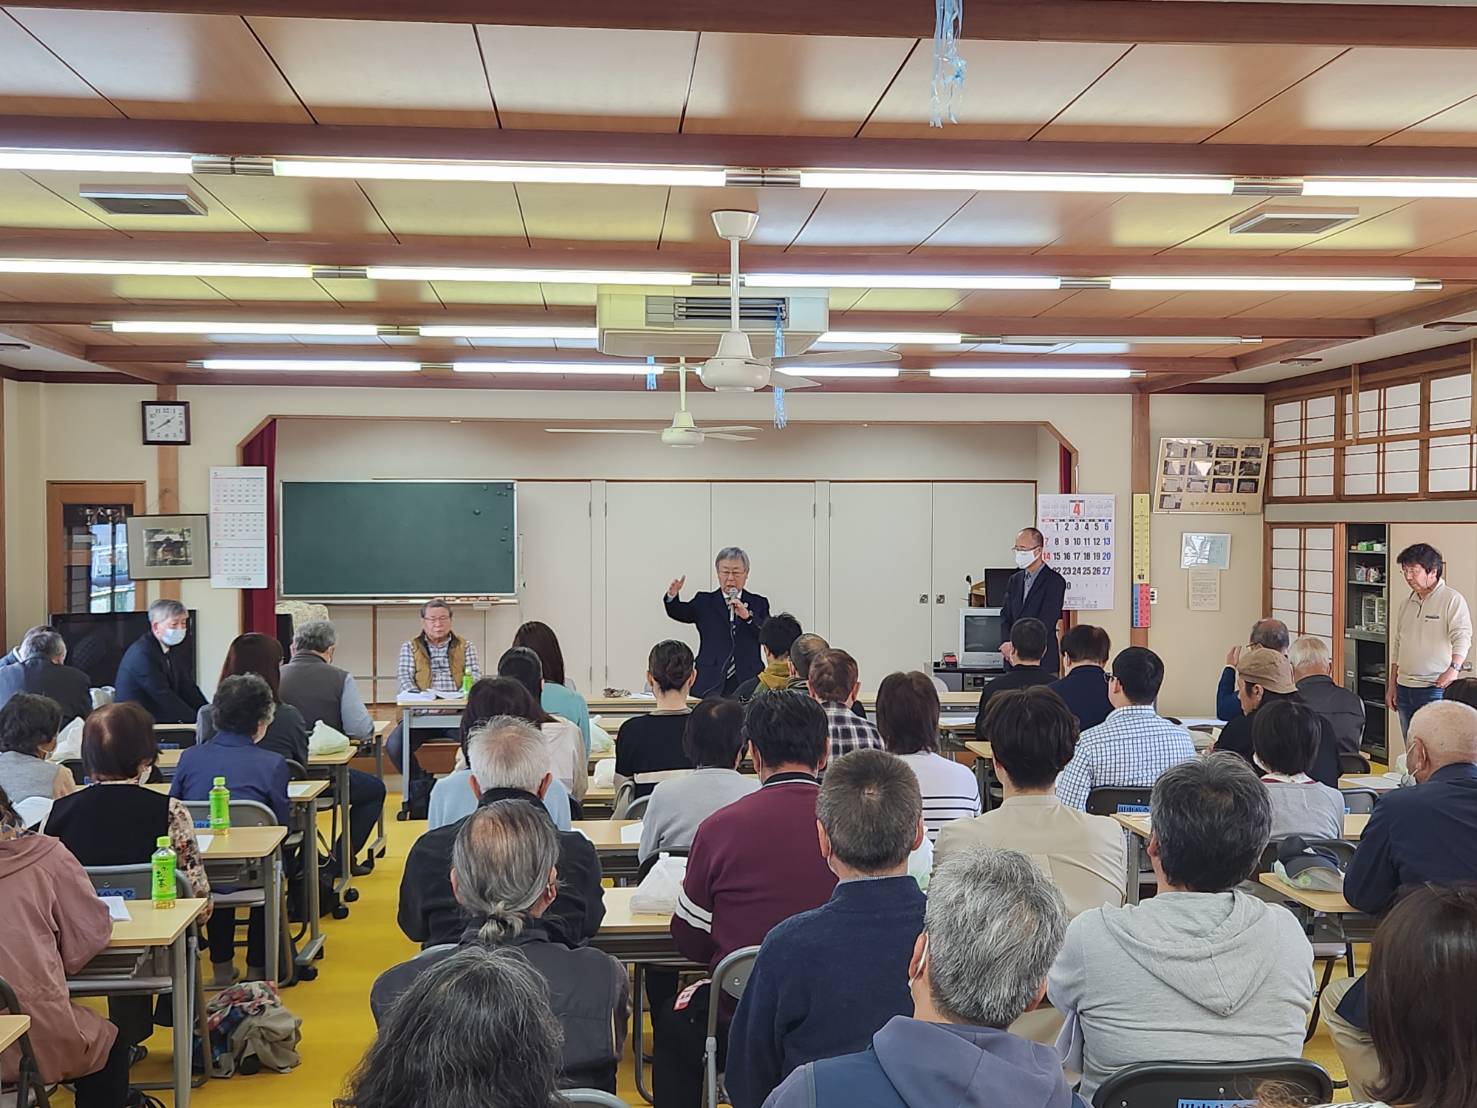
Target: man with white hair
x,y
43,670
993,926
509,761
1312,672
728,619
155,674
1416,836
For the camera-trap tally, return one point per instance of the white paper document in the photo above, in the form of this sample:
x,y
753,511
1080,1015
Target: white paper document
x,y
117,908
631,833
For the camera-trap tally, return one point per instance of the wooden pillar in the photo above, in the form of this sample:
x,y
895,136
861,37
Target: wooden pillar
x,y
4,632
168,486
1142,479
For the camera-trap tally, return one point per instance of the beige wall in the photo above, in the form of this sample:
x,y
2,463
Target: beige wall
x,y
964,437
1194,644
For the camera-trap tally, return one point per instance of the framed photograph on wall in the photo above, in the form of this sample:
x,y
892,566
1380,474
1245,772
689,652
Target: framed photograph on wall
x,y
168,547
1220,476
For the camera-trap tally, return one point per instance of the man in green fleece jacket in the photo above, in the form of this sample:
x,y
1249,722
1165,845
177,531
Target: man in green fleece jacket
x,y
1202,972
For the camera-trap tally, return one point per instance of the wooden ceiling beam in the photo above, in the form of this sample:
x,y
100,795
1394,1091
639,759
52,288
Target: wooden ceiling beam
x,y
1170,21
570,316
192,352
735,150
712,259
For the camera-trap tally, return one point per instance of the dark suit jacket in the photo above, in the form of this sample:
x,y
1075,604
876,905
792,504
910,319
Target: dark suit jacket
x,y
1236,736
146,675
1415,835
1019,677
720,638
67,685
430,913
1085,690
1044,602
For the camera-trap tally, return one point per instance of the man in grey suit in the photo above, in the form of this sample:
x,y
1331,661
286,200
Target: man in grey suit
x,y
42,669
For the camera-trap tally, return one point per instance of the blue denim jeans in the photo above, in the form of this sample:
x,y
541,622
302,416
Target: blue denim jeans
x,y
1408,701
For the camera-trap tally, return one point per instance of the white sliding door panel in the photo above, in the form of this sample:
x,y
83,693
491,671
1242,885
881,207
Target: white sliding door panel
x,y
880,575
974,528
655,531
554,567
774,523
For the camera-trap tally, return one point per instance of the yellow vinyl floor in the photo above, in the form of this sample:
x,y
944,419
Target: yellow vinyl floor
x,y
334,1009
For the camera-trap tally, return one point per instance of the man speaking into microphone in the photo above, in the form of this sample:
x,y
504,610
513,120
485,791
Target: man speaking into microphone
x,y
728,623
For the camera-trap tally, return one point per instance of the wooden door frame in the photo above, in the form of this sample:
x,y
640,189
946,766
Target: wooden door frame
x,y
58,495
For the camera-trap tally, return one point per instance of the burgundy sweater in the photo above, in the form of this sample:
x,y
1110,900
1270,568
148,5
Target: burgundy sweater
x,y
753,864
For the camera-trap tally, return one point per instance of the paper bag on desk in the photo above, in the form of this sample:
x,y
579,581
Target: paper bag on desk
x,y
657,893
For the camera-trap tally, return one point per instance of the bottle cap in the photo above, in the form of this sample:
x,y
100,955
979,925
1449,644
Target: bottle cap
x,y
220,780
163,840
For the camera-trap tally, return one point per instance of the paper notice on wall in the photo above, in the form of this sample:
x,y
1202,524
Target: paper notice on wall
x,y
1080,545
1205,590
238,527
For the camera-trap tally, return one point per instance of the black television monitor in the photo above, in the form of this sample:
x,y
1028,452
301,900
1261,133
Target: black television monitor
x,y
96,642
996,582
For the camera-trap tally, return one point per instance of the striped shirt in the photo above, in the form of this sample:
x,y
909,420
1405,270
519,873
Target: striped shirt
x,y
1129,749
949,789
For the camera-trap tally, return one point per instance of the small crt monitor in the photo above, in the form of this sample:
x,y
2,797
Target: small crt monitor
x,y
979,638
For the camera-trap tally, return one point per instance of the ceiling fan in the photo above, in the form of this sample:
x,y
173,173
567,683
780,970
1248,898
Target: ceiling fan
x,y
681,432
734,368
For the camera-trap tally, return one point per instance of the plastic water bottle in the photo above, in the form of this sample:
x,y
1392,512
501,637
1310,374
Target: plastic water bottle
x,y
220,808
466,682
162,892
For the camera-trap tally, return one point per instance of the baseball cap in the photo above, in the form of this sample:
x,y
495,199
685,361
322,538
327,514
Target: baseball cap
x,y
1266,667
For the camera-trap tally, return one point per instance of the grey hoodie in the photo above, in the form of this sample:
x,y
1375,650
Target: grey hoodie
x,y
1206,977
916,1064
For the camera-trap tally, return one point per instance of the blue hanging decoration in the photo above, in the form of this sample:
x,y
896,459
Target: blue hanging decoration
x,y
948,66
780,419
650,376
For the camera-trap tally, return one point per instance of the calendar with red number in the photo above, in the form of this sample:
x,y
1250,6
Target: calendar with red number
x,y
1081,546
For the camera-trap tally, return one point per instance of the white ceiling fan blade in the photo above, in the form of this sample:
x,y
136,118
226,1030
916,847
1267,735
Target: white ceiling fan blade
x,y
599,431
727,438
786,381
738,427
838,357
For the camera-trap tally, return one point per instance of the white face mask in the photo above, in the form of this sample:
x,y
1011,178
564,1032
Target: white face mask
x,y
172,636
1023,558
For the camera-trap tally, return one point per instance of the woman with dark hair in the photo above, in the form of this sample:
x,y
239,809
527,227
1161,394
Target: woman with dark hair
x,y
908,719
118,822
1286,735
559,696
568,758
28,727
475,1031
54,925
649,748
714,742
451,798
261,655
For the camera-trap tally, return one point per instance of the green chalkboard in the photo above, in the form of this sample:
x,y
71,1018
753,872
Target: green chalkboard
x,y
398,538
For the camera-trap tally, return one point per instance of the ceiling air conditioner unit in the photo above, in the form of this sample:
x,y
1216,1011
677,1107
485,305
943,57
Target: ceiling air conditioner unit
x,y
666,322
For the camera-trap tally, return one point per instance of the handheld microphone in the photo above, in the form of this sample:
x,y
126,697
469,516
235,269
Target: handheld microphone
x,y
730,595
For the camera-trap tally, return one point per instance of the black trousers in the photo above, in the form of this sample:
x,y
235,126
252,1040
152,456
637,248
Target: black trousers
x,y
220,931
107,1087
677,1057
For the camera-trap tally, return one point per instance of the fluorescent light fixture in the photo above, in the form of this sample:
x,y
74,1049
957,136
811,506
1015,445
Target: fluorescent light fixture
x,y
529,276
1141,340
542,174
529,331
896,281
96,162
91,267
1013,182
618,369
181,327
895,338
1004,373
310,365
1267,284
843,371
1431,187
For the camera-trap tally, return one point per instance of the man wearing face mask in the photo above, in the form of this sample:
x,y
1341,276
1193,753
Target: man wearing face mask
x,y
728,621
154,674
1035,591
1425,834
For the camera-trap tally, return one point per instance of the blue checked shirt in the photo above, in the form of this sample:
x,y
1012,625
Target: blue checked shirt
x,y
850,731
1129,749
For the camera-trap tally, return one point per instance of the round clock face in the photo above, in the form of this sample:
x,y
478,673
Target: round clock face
x,y
165,423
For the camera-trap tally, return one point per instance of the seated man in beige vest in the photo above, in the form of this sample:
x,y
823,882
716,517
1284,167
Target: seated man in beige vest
x,y
436,659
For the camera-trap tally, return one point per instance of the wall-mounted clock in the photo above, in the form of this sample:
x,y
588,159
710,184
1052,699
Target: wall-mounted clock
x,y
166,422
